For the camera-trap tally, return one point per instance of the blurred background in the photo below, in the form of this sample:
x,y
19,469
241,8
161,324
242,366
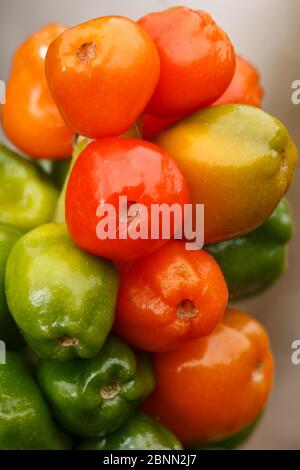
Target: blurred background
x,y
267,33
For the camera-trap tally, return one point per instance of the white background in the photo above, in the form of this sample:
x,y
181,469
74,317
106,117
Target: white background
x,y
268,33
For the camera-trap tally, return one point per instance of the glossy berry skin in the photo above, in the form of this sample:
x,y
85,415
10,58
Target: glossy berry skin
x,y
102,74
232,441
213,387
139,432
238,160
153,125
62,299
25,419
30,117
245,87
92,398
168,297
28,197
107,169
252,263
79,146
206,70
